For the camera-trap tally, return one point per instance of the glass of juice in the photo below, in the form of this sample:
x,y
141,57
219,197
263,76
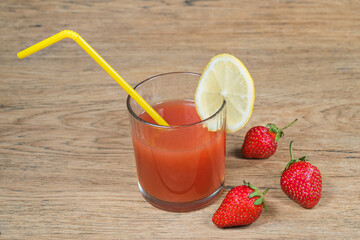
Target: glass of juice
x,y
180,167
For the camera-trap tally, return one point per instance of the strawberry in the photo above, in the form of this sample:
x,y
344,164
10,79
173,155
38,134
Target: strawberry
x,y
242,205
261,142
301,181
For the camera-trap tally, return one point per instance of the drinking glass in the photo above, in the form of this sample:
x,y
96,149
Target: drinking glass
x,y
180,167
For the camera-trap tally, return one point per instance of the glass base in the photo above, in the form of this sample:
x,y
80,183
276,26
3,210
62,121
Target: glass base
x,y
181,206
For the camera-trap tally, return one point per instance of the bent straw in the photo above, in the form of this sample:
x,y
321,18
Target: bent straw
x,y
77,38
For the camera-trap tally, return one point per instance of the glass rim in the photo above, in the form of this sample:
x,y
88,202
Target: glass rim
x,y
134,115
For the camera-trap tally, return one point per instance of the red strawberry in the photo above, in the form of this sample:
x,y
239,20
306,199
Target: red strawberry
x,y
242,205
261,142
301,181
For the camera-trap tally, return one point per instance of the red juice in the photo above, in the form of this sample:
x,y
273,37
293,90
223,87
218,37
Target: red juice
x,y
181,164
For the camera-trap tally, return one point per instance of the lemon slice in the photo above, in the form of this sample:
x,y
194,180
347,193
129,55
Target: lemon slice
x,y
226,77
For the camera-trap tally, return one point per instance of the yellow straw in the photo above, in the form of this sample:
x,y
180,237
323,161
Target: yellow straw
x,y
77,38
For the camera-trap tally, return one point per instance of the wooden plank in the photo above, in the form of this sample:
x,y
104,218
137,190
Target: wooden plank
x,y
67,169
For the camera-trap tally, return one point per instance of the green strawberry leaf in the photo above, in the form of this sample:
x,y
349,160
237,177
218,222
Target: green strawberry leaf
x,y
255,194
259,201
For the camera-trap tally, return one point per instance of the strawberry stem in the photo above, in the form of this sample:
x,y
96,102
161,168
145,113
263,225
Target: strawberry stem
x,y
264,192
292,160
288,125
278,132
291,154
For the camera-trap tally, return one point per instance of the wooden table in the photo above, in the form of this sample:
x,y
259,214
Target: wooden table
x,y
67,169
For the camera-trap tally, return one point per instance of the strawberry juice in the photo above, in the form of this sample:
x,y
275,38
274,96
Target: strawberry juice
x,y
180,167
183,165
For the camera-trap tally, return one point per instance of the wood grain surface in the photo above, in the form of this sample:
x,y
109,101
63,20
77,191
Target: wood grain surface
x,y
67,169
